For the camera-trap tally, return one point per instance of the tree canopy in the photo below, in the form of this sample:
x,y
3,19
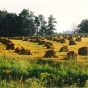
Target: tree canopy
x,y
83,26
25,24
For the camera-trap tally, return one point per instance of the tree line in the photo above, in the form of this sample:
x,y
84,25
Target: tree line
x,y
83,26
26,23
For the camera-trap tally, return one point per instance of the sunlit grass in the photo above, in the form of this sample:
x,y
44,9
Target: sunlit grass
x,y
39,50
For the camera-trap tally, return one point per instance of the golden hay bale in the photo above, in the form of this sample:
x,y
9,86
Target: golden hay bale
x,y
49,45
28,52
62,40
72,42
71,55
64,49
42,38
49,37
32,40
65,36
82,36
17,50
70,38
50,54
10,46
5,41
37,40
85,35
83,51
25,38
23,51
42,42
78,39
55,39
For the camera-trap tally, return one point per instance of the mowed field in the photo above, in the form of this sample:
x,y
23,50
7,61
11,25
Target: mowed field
x,y
38,51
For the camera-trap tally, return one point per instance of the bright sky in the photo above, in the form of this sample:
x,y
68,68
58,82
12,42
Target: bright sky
x,y
66,12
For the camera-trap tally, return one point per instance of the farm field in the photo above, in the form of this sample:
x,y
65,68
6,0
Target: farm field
x,y
34,71
39,50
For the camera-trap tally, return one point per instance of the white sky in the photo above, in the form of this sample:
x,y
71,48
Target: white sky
x,y
66,12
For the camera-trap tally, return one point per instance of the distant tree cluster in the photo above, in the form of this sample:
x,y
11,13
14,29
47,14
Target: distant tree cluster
x,y
25,24
80,28
83,26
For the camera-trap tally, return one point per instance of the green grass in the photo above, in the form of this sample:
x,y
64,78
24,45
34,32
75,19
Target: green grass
x,y
43,73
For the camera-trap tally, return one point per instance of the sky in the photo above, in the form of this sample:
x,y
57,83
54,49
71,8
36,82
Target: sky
x,y
68,13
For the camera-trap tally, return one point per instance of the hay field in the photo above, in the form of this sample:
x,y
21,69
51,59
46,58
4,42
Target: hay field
x,y
38,51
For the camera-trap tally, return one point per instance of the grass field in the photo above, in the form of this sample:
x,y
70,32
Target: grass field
x,y
34,71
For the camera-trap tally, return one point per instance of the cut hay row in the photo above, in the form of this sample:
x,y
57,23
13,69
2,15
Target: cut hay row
x,y
23,51
11,46
7,42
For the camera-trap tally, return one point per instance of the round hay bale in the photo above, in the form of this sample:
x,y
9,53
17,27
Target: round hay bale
x,y
62,40
25,38
32,40
50,54
42,38
22,51
49,45
55,39
17,50
78,39
71,55
10,46
83,51
28,52
65,36
42,42
70,38
64,49
49,38
37,40
58,40
85,35
72,42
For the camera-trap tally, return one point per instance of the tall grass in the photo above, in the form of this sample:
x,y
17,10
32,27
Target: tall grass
x,y
27,73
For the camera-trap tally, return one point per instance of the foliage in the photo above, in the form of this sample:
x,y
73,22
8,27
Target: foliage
x,y
83,26
51,25
24,24
42,73
43,25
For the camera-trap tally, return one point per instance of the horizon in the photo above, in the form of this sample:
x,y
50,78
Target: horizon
x,y
67,13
